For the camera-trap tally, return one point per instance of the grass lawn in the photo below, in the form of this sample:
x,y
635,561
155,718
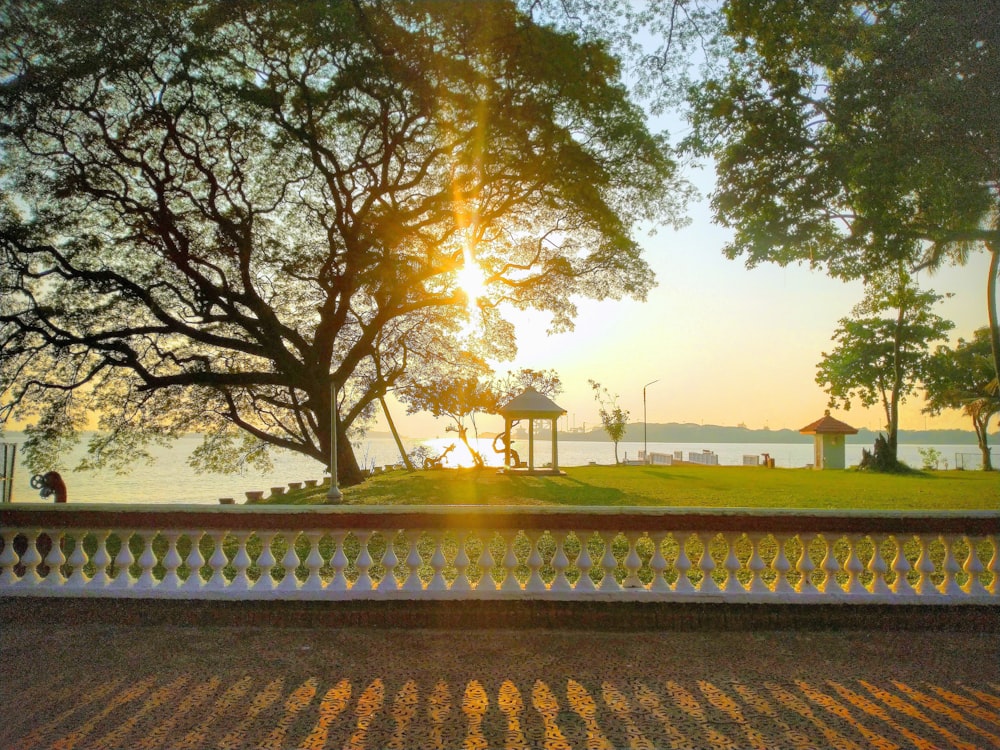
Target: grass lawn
x,y
675,486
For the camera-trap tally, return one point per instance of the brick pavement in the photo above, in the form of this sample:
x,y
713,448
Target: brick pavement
x,y
97,684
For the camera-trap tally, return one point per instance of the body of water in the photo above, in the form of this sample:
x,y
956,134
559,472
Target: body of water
x,y
170,480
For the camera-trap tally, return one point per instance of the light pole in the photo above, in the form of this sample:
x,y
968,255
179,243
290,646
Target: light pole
x,y
645,448
333,495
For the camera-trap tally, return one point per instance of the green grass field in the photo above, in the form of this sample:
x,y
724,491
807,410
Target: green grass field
x,y
677,486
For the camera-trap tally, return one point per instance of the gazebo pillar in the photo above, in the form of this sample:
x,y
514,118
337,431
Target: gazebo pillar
x,y
506,449
555,445
531,444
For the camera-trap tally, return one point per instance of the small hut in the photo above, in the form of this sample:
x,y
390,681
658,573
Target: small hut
x,y
532,405
830,437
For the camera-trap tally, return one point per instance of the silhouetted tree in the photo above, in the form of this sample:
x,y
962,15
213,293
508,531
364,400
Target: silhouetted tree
x,y
213,212
461,397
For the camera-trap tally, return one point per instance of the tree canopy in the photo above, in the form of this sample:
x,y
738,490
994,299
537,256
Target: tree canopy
x,y
964,378
850,135
211,213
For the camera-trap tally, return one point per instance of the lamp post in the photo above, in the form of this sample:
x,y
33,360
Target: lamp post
x,y
645,448
333,495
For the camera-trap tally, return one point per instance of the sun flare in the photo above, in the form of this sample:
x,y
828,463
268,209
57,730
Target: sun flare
x,y
470,280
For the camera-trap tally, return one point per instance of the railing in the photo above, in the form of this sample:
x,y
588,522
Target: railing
x,y
395,552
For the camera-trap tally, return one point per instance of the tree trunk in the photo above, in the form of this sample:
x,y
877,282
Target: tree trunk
x,y
991,300
348,471
616,453
395,435
897,382
982,436
463,435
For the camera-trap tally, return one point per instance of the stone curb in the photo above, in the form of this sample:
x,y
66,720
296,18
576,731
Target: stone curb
x,y
465,615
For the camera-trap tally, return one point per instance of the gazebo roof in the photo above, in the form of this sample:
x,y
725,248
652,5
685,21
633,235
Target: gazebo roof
x,y
828,426
530,404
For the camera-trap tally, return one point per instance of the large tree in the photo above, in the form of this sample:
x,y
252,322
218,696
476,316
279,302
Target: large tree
x,y
965,378
883,349
852,134
212,213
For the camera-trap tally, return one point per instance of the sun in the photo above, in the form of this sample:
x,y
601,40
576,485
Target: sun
x,y
470,280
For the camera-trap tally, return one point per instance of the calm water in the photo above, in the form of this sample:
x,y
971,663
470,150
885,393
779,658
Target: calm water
x,y
170,480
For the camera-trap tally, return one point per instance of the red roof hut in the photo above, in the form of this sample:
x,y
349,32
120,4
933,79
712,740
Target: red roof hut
x,y
830,439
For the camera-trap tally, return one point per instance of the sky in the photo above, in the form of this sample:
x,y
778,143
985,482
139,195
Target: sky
x,y
727,344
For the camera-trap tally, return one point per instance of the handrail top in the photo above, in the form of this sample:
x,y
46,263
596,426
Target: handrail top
x,y
471,517
71,509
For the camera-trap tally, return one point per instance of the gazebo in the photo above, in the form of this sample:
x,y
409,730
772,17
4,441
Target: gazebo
x,y
830,438
532,405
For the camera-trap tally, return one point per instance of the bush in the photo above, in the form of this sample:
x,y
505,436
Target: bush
x,y
931,458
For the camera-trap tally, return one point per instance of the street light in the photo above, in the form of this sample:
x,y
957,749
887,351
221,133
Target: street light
x,y
645,448
333,495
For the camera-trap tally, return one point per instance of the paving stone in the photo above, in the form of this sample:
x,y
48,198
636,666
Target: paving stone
x,y
152,687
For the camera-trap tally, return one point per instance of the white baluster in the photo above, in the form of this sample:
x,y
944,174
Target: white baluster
x,y
560,563
147,561
194,561
363,563
949,586
462,562
438,563
265,562
994,566
217,562
584,563
486,563
608,563
878,568
830,567
632,562
781,566
706,565
289,563
55,559
901,567
339,562
805,567
854,568
31,559
241,562
974,569
123,561
8,558
171,561
314,561
535,562
413,562
389,562
658,563
78,578
510,582
682,565
756,565
925,566
102,561
732,565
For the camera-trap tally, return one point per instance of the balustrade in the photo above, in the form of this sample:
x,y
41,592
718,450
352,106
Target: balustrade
x,y
498,553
